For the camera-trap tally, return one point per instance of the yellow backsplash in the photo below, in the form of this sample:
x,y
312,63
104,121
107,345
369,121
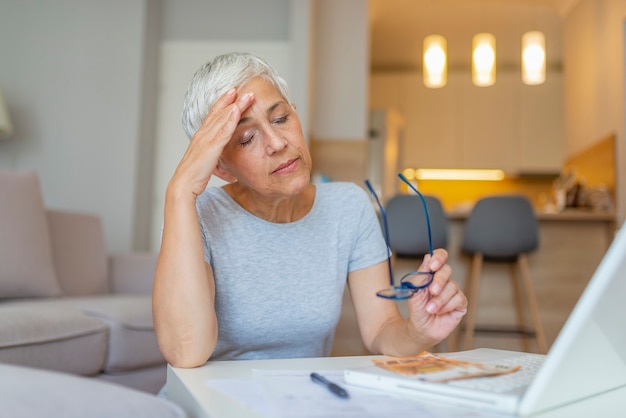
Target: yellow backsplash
x,y
596,165
462,194
593,167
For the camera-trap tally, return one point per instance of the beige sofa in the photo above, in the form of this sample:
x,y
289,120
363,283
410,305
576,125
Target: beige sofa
x,y
28,393
65,305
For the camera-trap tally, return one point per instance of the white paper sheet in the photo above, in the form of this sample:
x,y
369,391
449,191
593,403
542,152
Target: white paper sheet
x,y
288,393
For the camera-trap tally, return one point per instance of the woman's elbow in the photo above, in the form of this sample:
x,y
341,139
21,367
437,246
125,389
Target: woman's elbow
x,y
186,363
187,359
187,352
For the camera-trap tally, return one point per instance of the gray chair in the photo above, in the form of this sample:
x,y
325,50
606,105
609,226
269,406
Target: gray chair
x,y
503,229
408,231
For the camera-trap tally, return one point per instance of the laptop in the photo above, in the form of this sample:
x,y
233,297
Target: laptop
x,y
587,358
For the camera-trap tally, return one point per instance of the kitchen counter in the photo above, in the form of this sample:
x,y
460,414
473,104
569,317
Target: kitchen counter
x,y
565,215
577,215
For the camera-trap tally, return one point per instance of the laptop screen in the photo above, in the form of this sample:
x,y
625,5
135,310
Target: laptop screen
x,y
589,355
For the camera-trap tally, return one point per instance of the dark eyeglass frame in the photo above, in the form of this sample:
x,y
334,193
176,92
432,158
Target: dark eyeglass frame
x,y
405,289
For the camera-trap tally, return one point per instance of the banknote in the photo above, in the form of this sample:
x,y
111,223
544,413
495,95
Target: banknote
x,y
435,368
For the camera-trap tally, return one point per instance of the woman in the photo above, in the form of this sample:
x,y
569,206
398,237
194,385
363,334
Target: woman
x,y
257,268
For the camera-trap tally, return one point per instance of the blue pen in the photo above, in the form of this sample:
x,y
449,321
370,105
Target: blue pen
x,y
333,387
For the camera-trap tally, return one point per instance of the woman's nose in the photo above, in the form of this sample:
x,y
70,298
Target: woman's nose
x,y
274,142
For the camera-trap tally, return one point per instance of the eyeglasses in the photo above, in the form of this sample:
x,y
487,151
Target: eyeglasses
x,y
418,279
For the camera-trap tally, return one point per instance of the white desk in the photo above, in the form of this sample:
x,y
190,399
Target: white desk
x,y
189,389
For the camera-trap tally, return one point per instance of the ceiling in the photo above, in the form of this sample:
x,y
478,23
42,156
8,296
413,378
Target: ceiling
x,y
398,28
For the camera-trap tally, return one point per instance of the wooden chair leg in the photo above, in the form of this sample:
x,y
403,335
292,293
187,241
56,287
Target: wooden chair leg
x,y
454,339
471,291
532,303
461,330
519,305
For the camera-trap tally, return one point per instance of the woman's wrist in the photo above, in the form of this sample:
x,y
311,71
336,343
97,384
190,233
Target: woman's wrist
x,y
178,192
420,341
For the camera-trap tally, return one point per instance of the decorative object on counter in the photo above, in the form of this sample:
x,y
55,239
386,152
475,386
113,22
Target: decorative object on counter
x,y
561,187
574,196
571,191
599,199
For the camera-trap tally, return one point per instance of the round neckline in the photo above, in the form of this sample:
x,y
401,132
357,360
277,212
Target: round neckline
x,y
243,210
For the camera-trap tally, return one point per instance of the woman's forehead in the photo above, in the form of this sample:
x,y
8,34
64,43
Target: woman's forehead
x,y
266,97
261,87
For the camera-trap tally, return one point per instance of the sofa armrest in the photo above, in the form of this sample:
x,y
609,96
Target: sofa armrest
x,y
132,273
79,252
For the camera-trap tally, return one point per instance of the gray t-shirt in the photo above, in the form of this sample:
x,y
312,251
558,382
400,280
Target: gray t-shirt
x,y
279,287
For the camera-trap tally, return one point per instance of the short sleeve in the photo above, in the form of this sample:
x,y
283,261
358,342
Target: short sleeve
x,y
369,247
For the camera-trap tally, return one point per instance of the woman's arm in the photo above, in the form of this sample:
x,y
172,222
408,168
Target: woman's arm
x,y
434,312
184,290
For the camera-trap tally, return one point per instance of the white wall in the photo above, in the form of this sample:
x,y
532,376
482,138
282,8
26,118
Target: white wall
x,y
341,70
232,20
80,79
594,73
71,72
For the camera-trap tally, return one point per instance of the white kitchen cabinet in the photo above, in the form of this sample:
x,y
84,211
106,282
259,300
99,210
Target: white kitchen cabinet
x,y
509,125
542,148
487,118
432,132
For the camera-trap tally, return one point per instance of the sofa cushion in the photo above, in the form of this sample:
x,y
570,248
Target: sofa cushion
x,y
132,342
28,392
26,266
79,253
52,338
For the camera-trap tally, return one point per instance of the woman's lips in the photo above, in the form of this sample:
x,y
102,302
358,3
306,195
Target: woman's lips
x,y
286,167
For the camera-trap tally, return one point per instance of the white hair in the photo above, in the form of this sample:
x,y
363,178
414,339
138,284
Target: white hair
x,y
218,76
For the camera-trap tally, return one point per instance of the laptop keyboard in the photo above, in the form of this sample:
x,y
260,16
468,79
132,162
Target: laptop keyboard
x,y
530,365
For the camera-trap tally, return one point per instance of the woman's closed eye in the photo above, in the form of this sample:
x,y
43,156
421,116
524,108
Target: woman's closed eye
x,y
247,139
281,119
253,130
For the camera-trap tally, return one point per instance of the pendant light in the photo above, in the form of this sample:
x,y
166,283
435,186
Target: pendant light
x,y
435,61
533,58
483,59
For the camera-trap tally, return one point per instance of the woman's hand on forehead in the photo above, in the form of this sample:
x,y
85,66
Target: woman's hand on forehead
x,y
203,153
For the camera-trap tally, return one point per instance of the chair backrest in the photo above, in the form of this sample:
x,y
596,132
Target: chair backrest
x,y
501,227
408,231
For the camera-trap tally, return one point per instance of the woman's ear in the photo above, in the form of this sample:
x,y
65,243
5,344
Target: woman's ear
x,y
222,173
293,105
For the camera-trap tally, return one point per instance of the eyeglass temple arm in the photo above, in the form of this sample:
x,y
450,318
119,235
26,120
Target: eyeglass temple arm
x,y
385,230
430,237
